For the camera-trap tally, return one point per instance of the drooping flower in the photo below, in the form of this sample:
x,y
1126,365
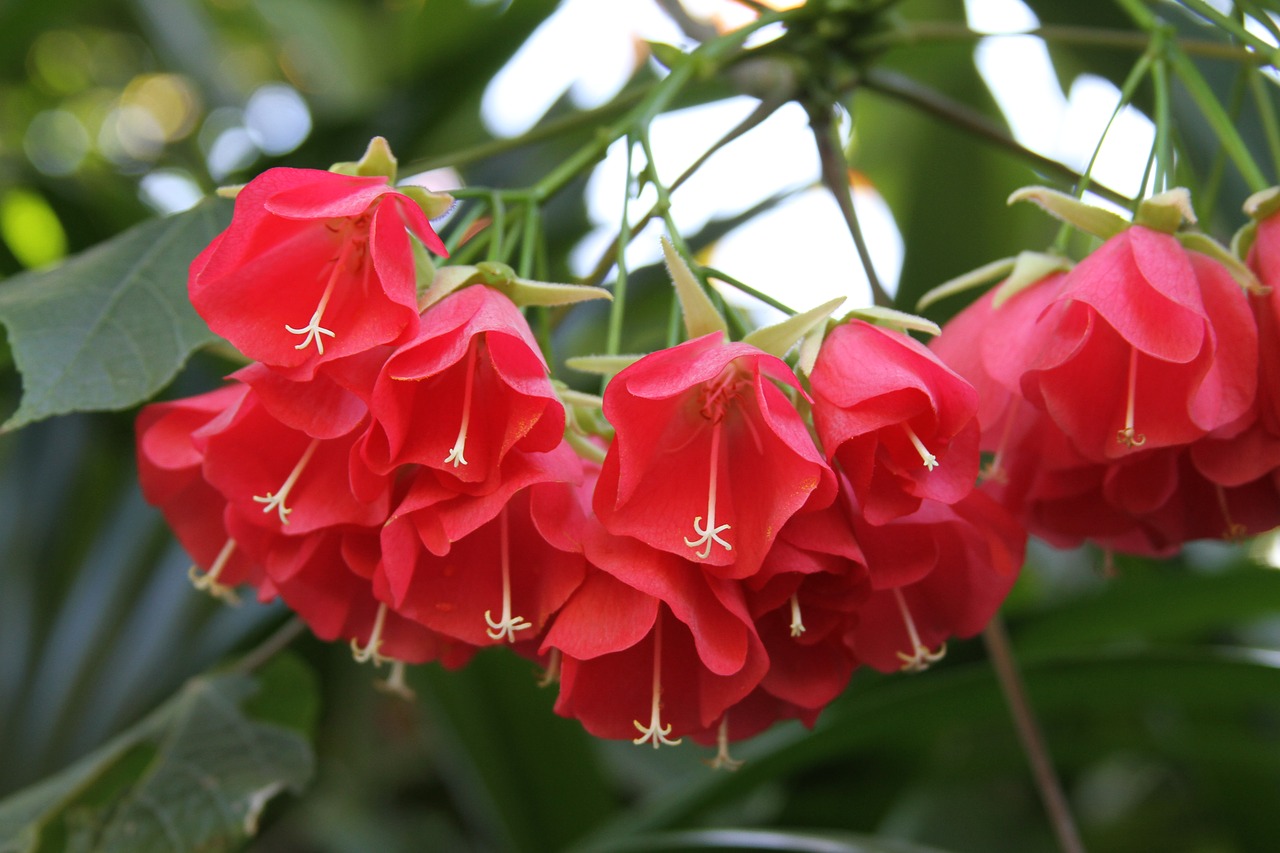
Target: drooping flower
x,y
710,457
1147,345
900,422
171,456
314,266
941,572
466,391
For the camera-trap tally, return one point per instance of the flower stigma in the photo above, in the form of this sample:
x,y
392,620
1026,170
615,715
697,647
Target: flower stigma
x,y
930,461
797,624
506,627
208,582
459,445
1127,436
655,731
275,500
920,658
369,651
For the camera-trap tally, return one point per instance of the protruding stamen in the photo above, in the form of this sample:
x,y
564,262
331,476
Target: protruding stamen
x,y
455,455
395,683
369,651
723,760
1234,531
655,731
313,330
994,471
552,673
275,500
208,582
505,628
709,533
797,624
930,461
920,658
1127,436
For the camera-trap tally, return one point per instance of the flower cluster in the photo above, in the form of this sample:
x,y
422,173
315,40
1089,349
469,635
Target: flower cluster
x,y
722,552
1129,400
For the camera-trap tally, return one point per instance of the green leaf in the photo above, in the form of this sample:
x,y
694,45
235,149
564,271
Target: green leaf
x,y
111,326
766,839
194,774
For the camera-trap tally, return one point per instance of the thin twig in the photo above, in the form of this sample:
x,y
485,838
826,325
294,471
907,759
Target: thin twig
x,y
835,176
270,647
1024,720
927,100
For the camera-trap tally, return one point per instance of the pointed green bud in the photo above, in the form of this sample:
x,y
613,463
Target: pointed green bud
x,y
445,281
602,365
891,318
424,268
984,274
1069,209
700,314
377,161
1167,211
809,348
668,55
1258,206
433,204
1206,245
781,337
1029,268
503,278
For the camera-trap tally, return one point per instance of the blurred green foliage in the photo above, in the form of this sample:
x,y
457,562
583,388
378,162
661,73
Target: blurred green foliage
x,y
1157,688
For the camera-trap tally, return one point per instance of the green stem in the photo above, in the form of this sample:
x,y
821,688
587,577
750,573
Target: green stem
x,y
495,230
907,91
532,221
1136,74
459,229
1216,117
1029,734
757,116
1162,120
275,643
614,338
1134,40
1267,112
749,290
1231,25
1207,197
835,176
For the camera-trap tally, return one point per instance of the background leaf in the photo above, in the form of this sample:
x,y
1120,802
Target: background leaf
x,y
111,326
195,773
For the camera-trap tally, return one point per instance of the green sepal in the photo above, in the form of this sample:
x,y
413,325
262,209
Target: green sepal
x,y
667,55
892,318
1166,211
1206,245
1258,207
378,161
424,268
700,314
229,191
433,204
809,348
984,274
602,365
500,277
781,337
1071,210
1029,268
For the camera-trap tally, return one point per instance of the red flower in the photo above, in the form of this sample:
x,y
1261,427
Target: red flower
x,y
467,390
710,457
899,421
485,570
940,572
314,266
171,456
1147,345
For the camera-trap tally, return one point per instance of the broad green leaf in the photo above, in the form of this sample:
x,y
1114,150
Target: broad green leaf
x,y
112,325
194,774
